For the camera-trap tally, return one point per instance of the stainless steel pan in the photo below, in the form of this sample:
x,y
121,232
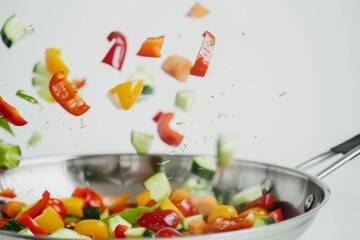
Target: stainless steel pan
x,y
121,173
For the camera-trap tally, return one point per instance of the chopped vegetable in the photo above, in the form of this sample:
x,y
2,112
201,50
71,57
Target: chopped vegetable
x,y
12,208
203,166
92,228
54,63
248,195
146,74
226,148
49,220
36,209
116,55
156,220
78,83
141,141
124,95
177,67
91,212
10,155
92,198
34,139
204,56
7,193
151,47
13,226
198,11
184,100
112,202
21,94
41,80
5,125
10,114
13,30
34,227
158,185
166,134
64,93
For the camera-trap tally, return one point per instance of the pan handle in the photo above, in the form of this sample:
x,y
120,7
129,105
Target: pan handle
x,y
350,149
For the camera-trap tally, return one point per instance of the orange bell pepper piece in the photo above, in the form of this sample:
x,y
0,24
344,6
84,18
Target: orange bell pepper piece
x,y
151,47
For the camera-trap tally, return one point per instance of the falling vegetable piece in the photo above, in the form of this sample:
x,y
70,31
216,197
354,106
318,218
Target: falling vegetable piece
x,y
204,56
12,31
34,139
141,141
54,63
41,80
198,11
184,100
21,94
10,155
10,114
5,125
64,93
178,67
226,148
151,47
78,83
116,55
124,95
7,193
146,74
166,134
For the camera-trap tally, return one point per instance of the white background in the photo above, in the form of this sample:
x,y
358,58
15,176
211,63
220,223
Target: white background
x,y
284,78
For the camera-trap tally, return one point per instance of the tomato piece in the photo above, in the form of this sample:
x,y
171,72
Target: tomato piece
x,y
34,210
92,198
155,220
166,134
120,231
277,215
151,47
10,114
204,56
35,228
266,201
3,221
58,206
54,63
116,55
7,193
168,232
64,93
187,207
224,224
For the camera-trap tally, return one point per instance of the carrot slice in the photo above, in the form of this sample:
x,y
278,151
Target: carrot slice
x,y
12,208
178,67
151,47
198,11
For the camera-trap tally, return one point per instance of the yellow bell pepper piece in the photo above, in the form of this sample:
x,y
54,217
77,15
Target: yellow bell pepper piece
x,y
74,205
125,94
50,220
93,228
54,63
168,205
142,198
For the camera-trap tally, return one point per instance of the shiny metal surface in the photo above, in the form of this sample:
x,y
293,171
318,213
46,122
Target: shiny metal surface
x,y
122,173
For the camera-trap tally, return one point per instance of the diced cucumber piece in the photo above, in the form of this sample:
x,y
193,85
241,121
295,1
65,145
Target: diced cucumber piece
x,y
46,94
10,155
26,231
13,226
12,31
263,222
247,195
112,223
158,186
184,100
197,186
139,232
91,212
226,149
204,166
141,141
185,221
41,79
41,70
146,74
66,233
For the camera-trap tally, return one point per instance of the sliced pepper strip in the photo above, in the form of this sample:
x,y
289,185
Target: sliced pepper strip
x,y
29,222
64,93
8,193
37,208
10,114
116,55
21,94
204,56
166,134
151,47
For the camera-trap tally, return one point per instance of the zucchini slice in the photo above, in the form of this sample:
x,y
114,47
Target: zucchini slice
x,y
12,31
139,232
158,186
226,149
204,166
184,100
247,195
141,141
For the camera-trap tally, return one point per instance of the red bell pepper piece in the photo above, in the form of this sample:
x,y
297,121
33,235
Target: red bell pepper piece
x,y
116,55
64,93
204,56
166,134
35,228
120,231
187,207
266,201
224,224
37,208
3,221
58,206
8,193
10,114
92,198
277,215
151,47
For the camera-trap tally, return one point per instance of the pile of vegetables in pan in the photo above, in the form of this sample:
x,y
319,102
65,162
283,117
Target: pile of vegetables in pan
x,y
195,208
